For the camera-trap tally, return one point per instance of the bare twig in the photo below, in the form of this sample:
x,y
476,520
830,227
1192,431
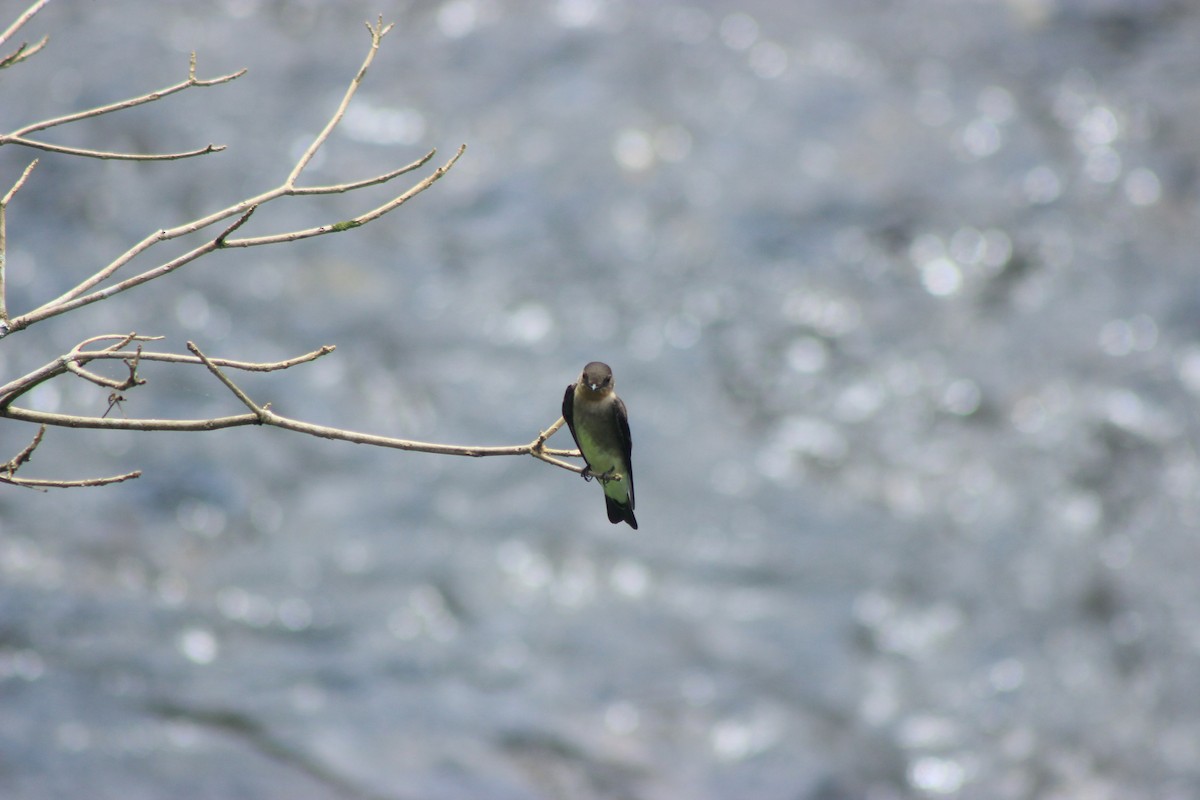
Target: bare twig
x,y
21,135
263,415
361,219
44,484
16,388
24,50
20,21
8,471
377,32
229,384
72,363
219,242
299,191
4,201
132,102
26,453
66,303
109,154
17,186
539,449
107,423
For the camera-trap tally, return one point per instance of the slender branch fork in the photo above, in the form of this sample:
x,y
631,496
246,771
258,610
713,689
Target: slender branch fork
x,y
24,50
130,348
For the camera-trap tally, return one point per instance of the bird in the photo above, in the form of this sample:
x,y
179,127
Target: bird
x,y
599,424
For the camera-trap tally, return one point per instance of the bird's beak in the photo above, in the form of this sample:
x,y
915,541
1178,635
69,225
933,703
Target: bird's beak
x,y
593,386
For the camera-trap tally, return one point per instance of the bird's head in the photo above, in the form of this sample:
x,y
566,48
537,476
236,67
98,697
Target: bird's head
x,y
596,379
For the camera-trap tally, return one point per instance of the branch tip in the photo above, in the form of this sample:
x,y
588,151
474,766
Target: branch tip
x,y
26,453
219,242
8,471
4,201
259,412
379,30
42,485
23,51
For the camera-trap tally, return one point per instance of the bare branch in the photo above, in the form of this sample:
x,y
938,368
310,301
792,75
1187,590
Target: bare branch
x,y
72,363
223,378
264,416
4,201
24,51
177,358
76,358
539,450
14,389
26,453
362,219
62,305
17,186
21,135
259,413
8,471
43,484
129,348
19,23
377,34
108,154
122,340
378,179
131,102
242,220
64,302
107,423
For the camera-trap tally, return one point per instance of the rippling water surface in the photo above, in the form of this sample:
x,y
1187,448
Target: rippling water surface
x,y
901,296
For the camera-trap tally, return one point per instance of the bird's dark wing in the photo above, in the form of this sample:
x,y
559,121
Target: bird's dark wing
x,y
568,412
626,442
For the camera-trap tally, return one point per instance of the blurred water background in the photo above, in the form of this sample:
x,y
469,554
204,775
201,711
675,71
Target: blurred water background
x,y
903,300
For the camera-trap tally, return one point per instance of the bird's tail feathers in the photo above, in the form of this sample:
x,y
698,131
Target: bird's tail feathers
x,y
620,513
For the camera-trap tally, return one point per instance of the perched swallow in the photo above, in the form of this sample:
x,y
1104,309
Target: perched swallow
x,y
600,425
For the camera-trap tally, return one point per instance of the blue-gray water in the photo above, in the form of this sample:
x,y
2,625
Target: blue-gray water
x,y
902,298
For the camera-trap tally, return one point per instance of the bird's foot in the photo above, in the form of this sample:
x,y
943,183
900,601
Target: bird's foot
x,y
603,477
